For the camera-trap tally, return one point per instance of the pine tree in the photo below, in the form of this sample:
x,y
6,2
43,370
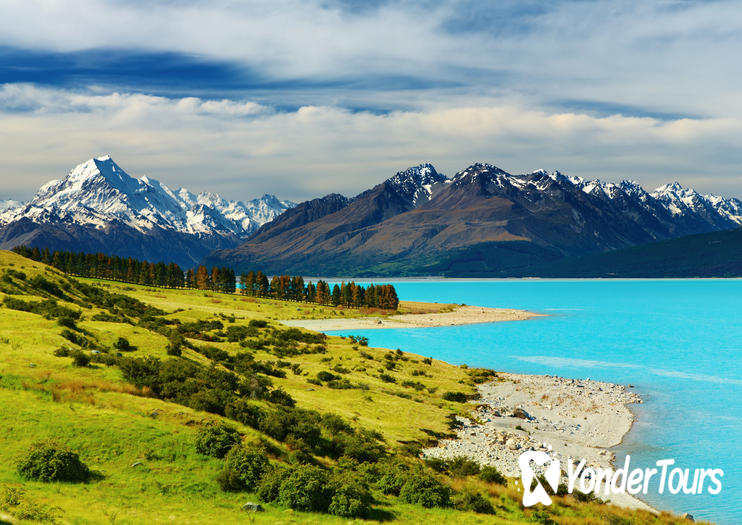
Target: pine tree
x,y
202,278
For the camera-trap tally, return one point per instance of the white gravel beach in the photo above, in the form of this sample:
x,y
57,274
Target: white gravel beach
x,y
576,418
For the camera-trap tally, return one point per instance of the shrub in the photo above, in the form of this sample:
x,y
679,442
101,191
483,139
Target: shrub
x,y
243,469
67,322
217,440
392,477
62,351
306,489
80,359
462,466
473,501
123,345
492,475
270,484
351,497
175,346
361,447
425,490
31,511
12,497
281,397
244,412
457,397
324,375
49,461
427,361
207,400
387,378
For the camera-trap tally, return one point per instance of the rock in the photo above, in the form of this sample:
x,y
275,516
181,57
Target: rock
x,y
522,414
154,413
252,507
511,444
688,517
136,464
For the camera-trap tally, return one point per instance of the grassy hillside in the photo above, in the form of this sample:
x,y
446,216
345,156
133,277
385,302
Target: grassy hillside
x,y
66,376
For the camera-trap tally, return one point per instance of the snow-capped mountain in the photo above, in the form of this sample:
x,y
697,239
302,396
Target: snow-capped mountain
x,y
417,184
98,197
98,191
7,204
481,221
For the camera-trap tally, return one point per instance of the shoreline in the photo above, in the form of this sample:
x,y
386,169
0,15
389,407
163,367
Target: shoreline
x,y
569,418
519,412
460,315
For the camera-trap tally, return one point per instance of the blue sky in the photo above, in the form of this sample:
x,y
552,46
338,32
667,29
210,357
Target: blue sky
x,y
301,98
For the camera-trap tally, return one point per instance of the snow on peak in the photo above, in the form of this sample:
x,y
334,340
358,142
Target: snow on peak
x,y
99,191
417,183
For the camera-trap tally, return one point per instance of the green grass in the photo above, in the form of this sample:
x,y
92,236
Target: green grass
x,y
142,448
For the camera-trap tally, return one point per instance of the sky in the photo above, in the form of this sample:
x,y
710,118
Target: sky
x,y
301,98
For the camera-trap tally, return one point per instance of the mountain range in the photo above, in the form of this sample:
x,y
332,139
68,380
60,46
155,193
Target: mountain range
x,y
98,207
482,221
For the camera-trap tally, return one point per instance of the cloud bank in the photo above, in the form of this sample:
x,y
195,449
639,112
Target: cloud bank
x,y
303,98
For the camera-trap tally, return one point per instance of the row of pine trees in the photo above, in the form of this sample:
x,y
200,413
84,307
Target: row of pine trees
x,y
255,284
289,288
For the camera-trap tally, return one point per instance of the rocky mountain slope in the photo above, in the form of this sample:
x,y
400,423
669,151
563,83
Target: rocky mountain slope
x,y
481,221
99,207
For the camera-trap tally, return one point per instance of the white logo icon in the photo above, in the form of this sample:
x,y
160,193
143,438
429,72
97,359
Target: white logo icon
x,y
552,474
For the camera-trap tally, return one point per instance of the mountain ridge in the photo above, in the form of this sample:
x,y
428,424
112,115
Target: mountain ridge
x,y
481,217
99,207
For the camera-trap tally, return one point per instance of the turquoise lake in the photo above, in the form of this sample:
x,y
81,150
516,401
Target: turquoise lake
x,y
679,342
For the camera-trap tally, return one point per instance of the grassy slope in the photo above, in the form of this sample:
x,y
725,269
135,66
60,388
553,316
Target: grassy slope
x,y
94,411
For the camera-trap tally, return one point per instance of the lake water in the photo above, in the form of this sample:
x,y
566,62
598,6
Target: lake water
x,y
679,342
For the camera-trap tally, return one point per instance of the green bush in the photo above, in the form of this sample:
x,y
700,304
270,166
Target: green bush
x,y
391,477
67,322
350,496
462,466
360,446
270,484
217,440
123,345
244,467
324,375
175,348
425,490
457,397
387,378
306,488
492,475
49,461
472,501
79,359
246,413
281,397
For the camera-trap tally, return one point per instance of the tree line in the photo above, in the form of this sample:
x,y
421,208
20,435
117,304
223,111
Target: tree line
x,y
254,284
290,288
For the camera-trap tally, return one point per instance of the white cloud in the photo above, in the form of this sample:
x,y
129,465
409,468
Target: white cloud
x,y
243,149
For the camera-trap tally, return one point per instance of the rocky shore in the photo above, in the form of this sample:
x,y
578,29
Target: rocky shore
x,y
571,418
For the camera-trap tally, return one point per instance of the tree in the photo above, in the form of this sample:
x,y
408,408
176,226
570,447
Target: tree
x,y
336,295
202,278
